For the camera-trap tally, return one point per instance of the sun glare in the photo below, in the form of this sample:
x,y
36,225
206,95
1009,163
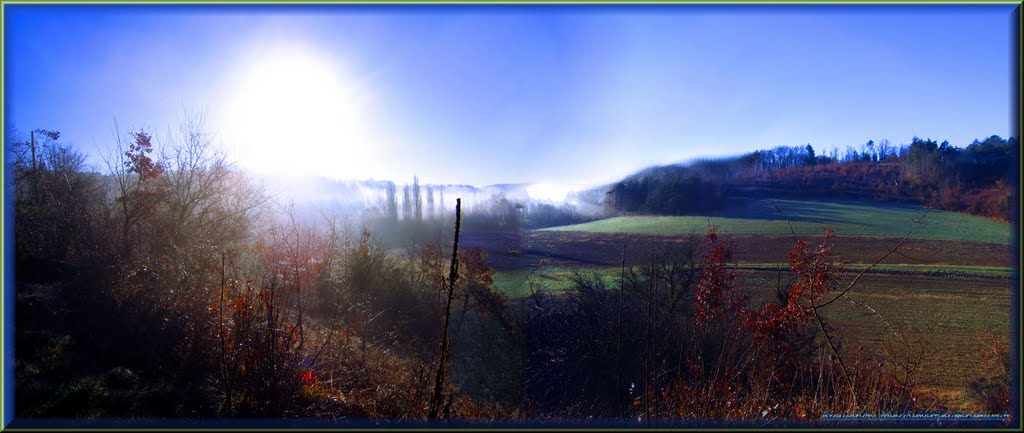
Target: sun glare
x,y
291,111
548,192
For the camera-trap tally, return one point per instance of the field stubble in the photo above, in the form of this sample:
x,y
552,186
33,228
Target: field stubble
x,y
953,313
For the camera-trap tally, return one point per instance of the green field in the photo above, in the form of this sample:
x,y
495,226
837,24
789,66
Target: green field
x,y
847,218
953,321
553,279
970,271
954,305
953,317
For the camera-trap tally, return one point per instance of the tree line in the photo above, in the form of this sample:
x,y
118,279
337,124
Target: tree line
x,y
976,178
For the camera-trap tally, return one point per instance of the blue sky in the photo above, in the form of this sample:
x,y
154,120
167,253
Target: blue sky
x,y
502,94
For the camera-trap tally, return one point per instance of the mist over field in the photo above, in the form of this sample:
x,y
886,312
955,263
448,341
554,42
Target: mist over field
x,y
360,196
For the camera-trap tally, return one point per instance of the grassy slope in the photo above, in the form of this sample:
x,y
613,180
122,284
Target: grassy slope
x,y
958,305
847,218
957,315
548,279
555,279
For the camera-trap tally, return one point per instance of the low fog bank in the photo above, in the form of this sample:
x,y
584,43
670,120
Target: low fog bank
x,y
388,205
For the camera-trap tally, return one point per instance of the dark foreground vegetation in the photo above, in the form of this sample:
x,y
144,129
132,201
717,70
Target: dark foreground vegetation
x,y
975,179
172,287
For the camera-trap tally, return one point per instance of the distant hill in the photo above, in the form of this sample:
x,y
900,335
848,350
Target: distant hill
x,y
976,179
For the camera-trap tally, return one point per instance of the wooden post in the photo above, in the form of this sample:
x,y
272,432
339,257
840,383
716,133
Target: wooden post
x,y
453,276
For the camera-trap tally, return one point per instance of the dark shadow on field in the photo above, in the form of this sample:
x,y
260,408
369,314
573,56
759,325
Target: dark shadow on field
x,y
508,251
823,210
526,250
606,249
519,250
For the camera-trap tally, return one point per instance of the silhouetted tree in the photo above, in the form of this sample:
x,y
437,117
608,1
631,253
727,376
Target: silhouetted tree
x,y
430,202
417,200
406,203
809,158
391,201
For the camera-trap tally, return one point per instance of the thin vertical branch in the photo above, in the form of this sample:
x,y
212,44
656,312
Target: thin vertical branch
x,y
832,347
449,285
33,133
865,270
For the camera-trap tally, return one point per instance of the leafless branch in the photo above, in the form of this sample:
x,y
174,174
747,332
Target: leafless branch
x,y
865,270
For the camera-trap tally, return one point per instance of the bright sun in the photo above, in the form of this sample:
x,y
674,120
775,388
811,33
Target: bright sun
x,y
290,112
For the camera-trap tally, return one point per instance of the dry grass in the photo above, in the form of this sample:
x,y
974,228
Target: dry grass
x,y
356,382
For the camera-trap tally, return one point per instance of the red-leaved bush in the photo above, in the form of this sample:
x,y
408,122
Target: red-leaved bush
x,y
714,294
769,361
814,274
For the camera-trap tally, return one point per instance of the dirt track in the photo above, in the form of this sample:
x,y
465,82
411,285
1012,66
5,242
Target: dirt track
x,y
527,249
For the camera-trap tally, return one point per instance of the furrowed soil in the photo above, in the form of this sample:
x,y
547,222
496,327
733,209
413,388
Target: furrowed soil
x,y
952,318
917,294
522,250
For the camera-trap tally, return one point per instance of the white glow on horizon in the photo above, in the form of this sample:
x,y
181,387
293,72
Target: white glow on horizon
x,y
549,192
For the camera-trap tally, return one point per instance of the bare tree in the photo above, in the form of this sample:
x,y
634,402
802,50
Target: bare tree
x,y
134,175
430,202
392,201
210,205
417,200
406,203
